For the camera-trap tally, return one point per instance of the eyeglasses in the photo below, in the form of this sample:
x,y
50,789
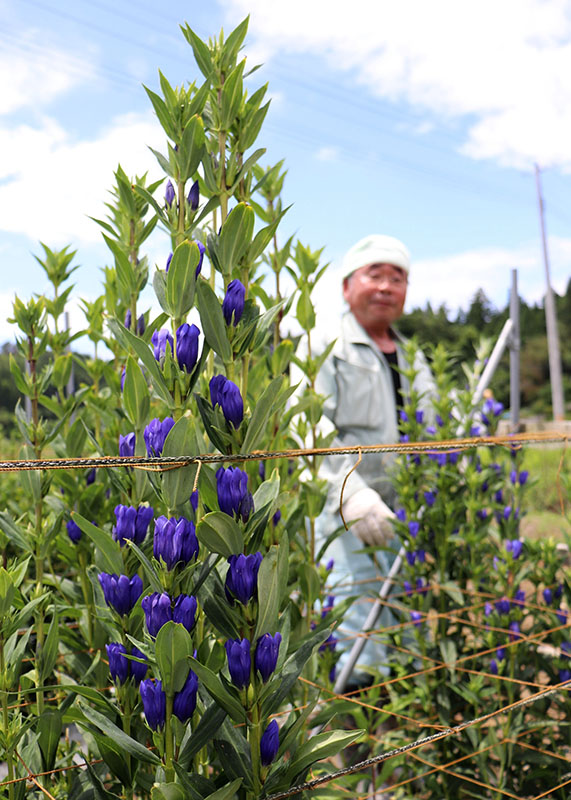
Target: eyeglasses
x,y
394,276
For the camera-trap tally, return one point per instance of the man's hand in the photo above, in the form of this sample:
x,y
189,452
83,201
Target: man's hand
x,y
374,526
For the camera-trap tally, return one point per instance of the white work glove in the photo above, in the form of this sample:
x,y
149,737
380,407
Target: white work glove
x,y
374,526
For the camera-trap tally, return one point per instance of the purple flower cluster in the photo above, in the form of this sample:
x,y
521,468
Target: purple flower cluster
x,y
155,435
233,303
175,541
234,498
121,592
122,668
132,523
127,444
242,577
160,609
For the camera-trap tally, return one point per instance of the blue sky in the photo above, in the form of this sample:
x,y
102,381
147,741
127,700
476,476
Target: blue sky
x,y
420,120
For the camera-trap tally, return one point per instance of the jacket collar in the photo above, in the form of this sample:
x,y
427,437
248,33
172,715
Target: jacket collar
x,y
356,334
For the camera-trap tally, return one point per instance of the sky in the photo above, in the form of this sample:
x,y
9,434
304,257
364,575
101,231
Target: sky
x,y
419,120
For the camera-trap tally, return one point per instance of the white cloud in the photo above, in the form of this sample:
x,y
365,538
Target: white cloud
x,y
51,183
504,67
33,73
327,154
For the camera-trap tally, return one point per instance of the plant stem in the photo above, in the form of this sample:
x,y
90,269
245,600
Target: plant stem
x,y
169,749
6,722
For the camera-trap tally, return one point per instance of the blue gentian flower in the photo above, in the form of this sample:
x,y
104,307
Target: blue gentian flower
x,y
239,661
430,497
242,577
234,498
169,259
187,346
494,666
175,541
158,611
154,703
90,476
269,743
413,528
159,340
194,500
233,303
184,611
548,596
403,416
407,585
169,194
127,444
503,605
138,669
121,592
155,435
266,655
73,531
416,617
419,416
118,664
185,700
193,196
401,514
132,523
411,557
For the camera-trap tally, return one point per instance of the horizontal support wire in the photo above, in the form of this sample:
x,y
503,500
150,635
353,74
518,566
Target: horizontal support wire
x,y
163,463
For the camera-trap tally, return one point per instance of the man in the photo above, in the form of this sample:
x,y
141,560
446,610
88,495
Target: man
x,y
363,391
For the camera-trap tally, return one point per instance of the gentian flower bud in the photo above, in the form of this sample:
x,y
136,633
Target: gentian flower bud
x,y
513,476
416,617
419,416
421,555
233,303
561,615
475,430
330,564
73,531
187,346
494,666
175,541
401,514
482,514
121,592
499,496
202,250
558,591
413,528
169,259
185,700
262,470
515,547
407,585
184,611
519,596
154,703
123,374
439,421
430,498
155,434
158,611
227,395
194,500
421,588
266,656
118,664
132,523
500,653
128,319
329,644
234,498
411,557
127,444
564,675
193,196
90,477
159,341
242,577
503,605
276,518
216,385
507,512
169,194
431,430
523,476
548,596
239,661
403,416
269,743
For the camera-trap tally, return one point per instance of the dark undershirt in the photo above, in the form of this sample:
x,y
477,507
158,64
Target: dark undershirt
x,y
393,363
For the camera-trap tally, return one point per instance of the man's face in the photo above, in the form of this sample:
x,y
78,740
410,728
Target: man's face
x,y
376,294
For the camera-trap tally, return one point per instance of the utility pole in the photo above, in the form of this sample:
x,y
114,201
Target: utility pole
x,y
551,322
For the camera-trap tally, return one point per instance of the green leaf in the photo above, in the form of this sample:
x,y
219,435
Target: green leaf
x,y
49,730
233,44
49,652
131,746
136,400
219,693
192,148
200,50
173,646
210,722
163,113
7,592
126,277
234,753
160,288
181,279
235,237
219,533
142,350
213,322
268,597
114,757
305,312
150,571
168,791
14,532
19,376
110,550
320,747
226,792
182,440
453,590
231,98
262,412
